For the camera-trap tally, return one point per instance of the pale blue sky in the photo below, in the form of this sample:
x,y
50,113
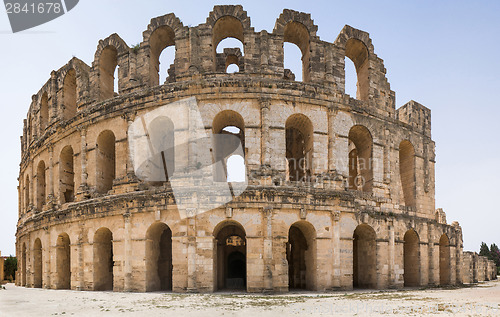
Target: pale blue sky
x,y
443,54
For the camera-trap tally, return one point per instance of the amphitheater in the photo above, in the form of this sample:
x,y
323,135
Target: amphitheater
x,y
339,189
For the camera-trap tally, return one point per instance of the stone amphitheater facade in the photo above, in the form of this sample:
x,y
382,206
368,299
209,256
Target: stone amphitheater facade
x,y
358,209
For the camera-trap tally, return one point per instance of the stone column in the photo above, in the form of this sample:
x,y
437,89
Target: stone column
x,y
51,199
127,254
346,262
83,189
268,249
382,263
337,268
265,143
391,262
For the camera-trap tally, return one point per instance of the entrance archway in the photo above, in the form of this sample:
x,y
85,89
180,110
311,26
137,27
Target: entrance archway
x,y
230,261
411,256
63,262
103,260
158,258
444,260
364,257
37,264
300,256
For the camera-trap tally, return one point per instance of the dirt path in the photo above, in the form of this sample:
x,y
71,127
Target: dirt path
x,y
480,300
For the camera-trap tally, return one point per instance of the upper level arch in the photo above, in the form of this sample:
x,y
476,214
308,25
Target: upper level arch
x,y
160,34
357,46
106,59
297,28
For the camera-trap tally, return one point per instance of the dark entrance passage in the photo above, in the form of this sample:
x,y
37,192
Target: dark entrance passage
x,y
231,257
159,258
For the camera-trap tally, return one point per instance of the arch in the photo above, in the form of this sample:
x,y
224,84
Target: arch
x,y
27,193
158,257
360,159
105,160
69,94
37,264
162,134
226,122
299,147
23,265
364,257
236,168
40,186
63,262
411,254
357,52
407,172
44,112
297,33
66,175
227,27
161,38
444,260
301,256
108,61
103,260
230,260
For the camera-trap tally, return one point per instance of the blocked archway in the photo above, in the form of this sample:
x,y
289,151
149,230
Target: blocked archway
x,y
360,159
299,142
23,265
230,262
103,260
158,258
300,256
444,260
411,256
63,262
37,264
364,257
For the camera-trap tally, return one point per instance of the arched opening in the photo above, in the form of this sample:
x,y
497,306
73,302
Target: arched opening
x,y
300,256
232,64
66,175
350,78
40,185
103,260
411,254
357,52
364,257
23,265
108,63
236,171
227,33
44,112
158,258
230,123
296,33
407,172
444,260
299,147
37,264
63,262
162,135
106,164
230,262
69,94
27,193
162,56
360,159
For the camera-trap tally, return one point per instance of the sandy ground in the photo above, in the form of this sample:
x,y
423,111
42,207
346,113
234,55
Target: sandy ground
x,y
479,300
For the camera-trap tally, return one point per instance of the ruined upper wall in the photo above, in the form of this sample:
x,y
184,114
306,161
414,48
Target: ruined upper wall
x,y
77,86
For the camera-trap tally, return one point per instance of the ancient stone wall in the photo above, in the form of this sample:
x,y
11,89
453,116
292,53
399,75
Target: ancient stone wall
x,y
359,212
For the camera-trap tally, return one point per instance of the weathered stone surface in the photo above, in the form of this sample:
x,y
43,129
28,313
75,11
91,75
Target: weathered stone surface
x,y
359,210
